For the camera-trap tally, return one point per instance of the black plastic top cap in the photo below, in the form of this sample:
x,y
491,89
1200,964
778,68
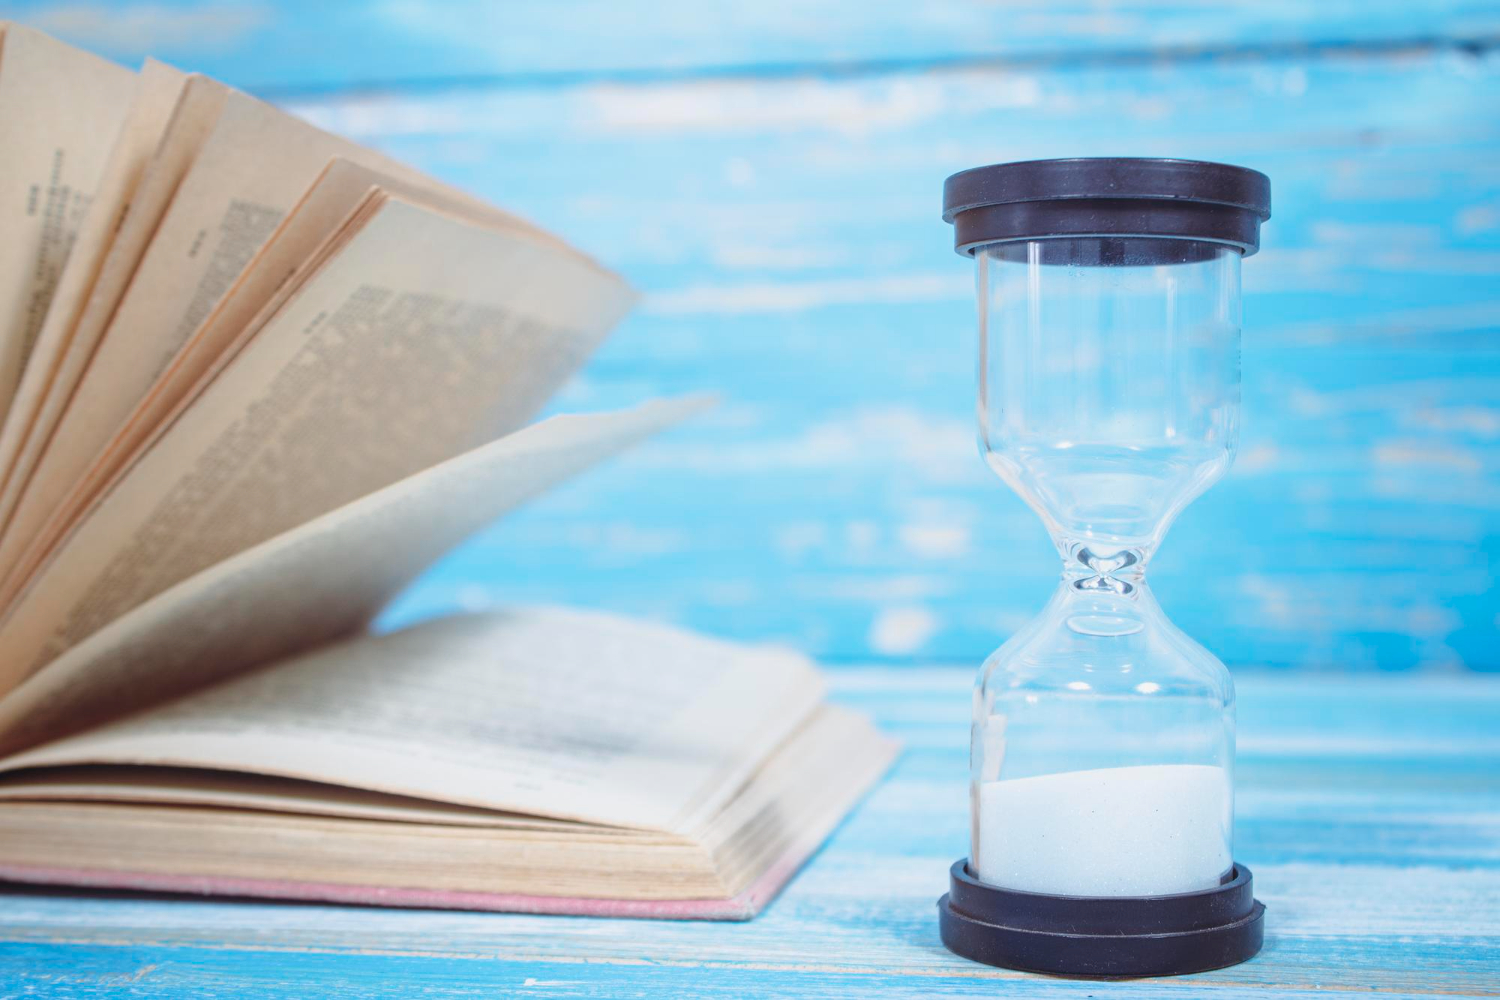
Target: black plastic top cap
x,y
1115,196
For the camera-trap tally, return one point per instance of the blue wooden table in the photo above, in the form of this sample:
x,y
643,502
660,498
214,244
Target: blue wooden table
x,y
1369,809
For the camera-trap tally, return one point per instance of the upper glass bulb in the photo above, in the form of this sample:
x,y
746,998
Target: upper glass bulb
x,y
1108,382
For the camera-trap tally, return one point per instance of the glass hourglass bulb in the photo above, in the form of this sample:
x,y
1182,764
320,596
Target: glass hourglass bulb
x,y
1101,785
1103,738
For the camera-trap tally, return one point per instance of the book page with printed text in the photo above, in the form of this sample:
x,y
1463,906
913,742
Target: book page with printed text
x,y
567,714
252,166
145,167
157,90
420,337
60,109
320,581
293,250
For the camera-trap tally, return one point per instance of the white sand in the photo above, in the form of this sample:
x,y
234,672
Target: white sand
x,y
1119,831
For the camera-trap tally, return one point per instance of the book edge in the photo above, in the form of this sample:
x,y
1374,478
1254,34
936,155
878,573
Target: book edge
x,y
744,905
740,907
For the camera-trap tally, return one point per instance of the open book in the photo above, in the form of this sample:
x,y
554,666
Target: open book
x,y
254,379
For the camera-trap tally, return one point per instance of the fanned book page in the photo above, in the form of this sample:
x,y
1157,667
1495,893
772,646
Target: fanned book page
x,y
166,124
323,579
306,417
250,165
297,244
254,379
60,109
64,342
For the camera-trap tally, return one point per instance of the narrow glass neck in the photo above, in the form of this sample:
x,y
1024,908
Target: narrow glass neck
x,y
1090,567
1110,599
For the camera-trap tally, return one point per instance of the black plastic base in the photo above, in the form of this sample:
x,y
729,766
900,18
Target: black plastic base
x,y
1102,937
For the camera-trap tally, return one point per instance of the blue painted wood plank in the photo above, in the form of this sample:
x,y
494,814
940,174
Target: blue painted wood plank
x,y
786,235
286,46
192,973
1369,808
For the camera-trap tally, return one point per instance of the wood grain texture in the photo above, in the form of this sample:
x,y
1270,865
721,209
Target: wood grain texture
x,y
787,237
1368,808
287,46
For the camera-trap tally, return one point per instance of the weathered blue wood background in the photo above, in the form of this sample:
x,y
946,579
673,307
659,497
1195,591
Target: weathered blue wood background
x,y
769,174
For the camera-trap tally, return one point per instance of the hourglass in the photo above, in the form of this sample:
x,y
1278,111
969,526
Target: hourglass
x,y
1103,736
